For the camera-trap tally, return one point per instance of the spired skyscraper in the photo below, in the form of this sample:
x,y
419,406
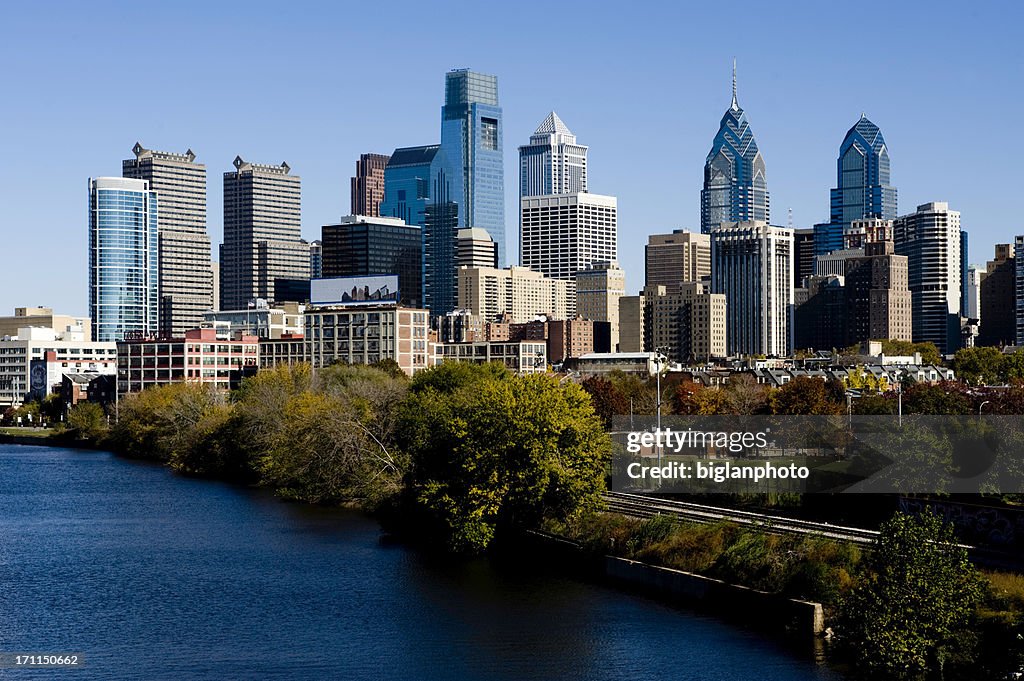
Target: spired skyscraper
x,y
735,187
552,163
863,190
471,139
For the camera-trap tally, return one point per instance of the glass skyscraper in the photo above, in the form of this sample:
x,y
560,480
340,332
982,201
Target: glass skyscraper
x,y
863,189
419,190
471,138
735,187
123,258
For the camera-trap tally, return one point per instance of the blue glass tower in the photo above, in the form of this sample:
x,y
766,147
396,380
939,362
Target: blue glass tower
x,y
863,189
735,187
471,139
419,190
123,264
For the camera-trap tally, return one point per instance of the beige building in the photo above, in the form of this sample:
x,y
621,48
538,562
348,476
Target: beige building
x,y
598,290
262,321
677,257
685,322
878,299
43,317
518,292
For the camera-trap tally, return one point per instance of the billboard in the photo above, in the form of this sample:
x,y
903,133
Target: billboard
x,y
379,288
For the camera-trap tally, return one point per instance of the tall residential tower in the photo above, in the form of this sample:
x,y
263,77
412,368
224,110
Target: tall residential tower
x,y
552,163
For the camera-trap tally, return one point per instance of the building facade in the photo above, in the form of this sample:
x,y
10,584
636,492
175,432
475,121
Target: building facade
x,y
471,137
997,299
878,300
803,255
685,322
681,256
564,233
45,318
735,183
368,184
930,238
598,290
201,356
367,334
183,270
262,321
34,360
316,259
520,357
518,292
123,258
752,264
475,248
360,246
262,233
553,162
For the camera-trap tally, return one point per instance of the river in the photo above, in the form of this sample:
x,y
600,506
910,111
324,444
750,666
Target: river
x,y
150,575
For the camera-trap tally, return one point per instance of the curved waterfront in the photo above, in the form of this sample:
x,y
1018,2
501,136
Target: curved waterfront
x,y
152,575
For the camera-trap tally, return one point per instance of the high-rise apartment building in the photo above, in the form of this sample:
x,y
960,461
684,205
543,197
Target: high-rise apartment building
x,y
368,184
803,258
735,184
930,238
518,292
1018,289
631,323
863,189
752,264
972,293
316,259
998,302
123,258
360,246
878,301
675,258
475,248
598,290
471,137
564,233
552,163
262,233
185,278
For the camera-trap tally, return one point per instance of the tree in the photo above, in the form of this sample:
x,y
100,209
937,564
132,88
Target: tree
x,y
914,609
746,395
979,365
1013,367
806,395
86,421
499,451
698,400
641,394
929,352
945,397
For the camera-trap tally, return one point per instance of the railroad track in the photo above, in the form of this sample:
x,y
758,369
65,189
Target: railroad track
x,y
642,506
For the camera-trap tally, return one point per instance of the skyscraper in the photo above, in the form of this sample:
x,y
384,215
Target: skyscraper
x,y
564,233
471,137
552,163
752,264
123,258
598,290
262,233
735,186
368,184
185,276
863,190
930,238
998,304
316,259
419,189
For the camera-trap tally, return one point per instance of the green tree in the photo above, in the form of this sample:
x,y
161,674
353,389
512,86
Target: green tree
x,y
914,609
979,365
1013,367
608,401
86,421
929,352
945,397
491,450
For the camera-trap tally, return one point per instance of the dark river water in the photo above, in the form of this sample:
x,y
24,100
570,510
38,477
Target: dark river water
x,y
150,575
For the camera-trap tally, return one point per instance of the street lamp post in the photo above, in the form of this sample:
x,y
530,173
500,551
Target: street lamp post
x,y
982,405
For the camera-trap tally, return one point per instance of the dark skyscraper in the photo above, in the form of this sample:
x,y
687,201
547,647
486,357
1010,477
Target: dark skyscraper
x,y
735,188
361,246
368,184
863,189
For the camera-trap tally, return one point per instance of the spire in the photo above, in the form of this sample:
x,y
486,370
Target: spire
x,y
735,105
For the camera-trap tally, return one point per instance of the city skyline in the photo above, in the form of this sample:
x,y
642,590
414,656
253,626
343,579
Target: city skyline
x,y
778,90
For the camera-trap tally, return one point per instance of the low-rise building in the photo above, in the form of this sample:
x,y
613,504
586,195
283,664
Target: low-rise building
x,y
35,359
598,363
202,356
367,334
521,357
262,321
290,349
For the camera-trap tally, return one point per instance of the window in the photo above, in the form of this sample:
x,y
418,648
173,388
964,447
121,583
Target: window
x,y
489,133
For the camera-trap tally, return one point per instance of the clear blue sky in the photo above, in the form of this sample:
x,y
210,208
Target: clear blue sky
x,y
644,85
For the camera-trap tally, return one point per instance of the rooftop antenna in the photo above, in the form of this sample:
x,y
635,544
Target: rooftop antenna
x,y
735,105
791,218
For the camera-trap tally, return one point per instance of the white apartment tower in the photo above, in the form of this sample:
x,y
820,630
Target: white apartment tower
x,y
930,238
752,264
184,272
552,163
